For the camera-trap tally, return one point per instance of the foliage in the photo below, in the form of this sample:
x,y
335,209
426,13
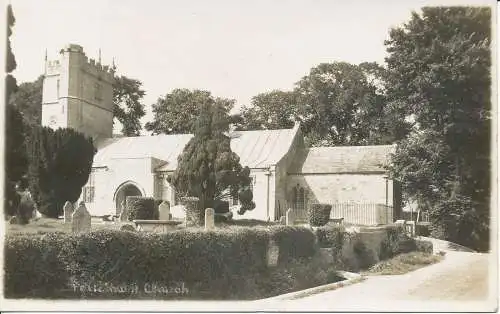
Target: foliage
x,y
272,110
128,108
32,267
60,163
319,214
178,111
403,263
343,104
397,242
28,100
207,167
141,208
205,261
422,229
424,246
293,243
15,155
439,74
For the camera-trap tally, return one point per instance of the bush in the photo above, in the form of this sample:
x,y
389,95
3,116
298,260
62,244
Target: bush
x,y
319,214
293,242
397,242
205,261
332,237
424,246
32,267
141,208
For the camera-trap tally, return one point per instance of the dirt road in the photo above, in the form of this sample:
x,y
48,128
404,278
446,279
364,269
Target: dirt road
x,y
461,282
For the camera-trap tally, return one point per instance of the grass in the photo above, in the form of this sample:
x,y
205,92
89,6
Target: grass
x,y
48,225
403,263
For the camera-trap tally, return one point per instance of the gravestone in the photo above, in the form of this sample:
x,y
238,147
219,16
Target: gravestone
x,y
209,218
68,211
164,210
123,212
282,220
289,217
273,252
81,220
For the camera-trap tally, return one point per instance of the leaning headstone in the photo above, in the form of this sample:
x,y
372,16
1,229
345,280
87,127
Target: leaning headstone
x,y
289,217
164,210
81,220
68,211
209,218
273,251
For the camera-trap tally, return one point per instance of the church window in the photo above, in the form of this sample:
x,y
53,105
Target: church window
x,y
299,197
98,92
89,189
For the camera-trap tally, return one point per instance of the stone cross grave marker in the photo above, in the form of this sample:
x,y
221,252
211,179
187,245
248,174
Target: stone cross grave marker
x,y
164,210
81,220
289,217
68,212
273,252
209,219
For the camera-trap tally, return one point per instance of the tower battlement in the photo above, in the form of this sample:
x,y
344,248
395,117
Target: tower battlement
x,y
89,65
78,93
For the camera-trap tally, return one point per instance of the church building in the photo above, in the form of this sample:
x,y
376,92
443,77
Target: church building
x,y
78,93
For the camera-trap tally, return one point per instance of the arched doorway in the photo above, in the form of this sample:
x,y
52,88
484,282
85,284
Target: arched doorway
x,y
126,189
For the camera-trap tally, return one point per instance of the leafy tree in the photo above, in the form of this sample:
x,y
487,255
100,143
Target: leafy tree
x,y
272,110
15,155
60,162
128,108
28,99
177,112
207,168
343,104
439,75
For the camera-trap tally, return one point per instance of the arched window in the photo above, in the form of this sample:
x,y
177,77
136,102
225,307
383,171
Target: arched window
x,y
299,197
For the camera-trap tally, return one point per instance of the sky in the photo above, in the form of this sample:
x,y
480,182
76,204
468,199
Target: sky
x,y
234,49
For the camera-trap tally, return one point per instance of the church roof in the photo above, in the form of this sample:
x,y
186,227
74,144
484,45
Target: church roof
x,y
256,149
342,159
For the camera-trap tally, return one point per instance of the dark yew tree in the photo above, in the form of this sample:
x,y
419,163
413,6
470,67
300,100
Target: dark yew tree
x,y
208,168
439,68
60,163
14,150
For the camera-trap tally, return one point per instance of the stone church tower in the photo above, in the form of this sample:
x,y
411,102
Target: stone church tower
x,y
78,94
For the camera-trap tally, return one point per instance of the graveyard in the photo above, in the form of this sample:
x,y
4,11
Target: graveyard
x,y
166,258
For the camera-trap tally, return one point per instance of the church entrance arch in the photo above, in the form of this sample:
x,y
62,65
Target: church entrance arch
x,y
124,190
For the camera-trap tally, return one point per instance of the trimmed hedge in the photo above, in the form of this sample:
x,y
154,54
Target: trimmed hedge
x,y
141,208
32,267
422,229
205,261
319,214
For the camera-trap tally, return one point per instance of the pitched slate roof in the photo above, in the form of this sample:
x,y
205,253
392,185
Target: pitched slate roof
x,y
342,159
256,149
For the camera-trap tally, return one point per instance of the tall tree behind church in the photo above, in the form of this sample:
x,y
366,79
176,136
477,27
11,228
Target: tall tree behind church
x,y
336,103
128,108
176,112
439,64
15,154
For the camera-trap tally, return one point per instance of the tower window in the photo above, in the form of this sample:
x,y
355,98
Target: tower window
x,y
98,92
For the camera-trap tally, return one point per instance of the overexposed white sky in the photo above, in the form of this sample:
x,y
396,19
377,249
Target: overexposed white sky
x,y
235,49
